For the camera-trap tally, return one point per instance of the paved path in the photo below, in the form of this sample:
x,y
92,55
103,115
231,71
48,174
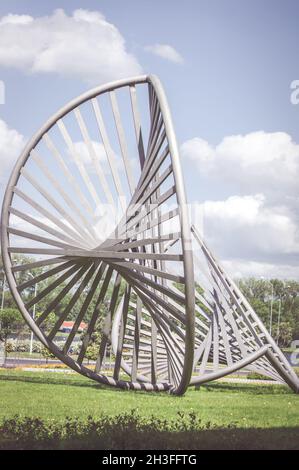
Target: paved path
x,y
249,381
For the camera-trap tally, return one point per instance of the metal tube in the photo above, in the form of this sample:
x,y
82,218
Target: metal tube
x,y
271,308
33,318
278,322
3,291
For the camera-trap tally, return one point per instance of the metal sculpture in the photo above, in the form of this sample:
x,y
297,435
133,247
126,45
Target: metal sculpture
x,y
111,154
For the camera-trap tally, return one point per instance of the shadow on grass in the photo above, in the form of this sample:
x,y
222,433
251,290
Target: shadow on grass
x,y
83,383
51,380
249,388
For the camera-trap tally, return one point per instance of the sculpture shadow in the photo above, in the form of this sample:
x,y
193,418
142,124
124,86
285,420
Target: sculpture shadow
x,y
86,383
253,389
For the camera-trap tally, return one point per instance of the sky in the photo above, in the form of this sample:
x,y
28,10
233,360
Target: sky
x,y
227,67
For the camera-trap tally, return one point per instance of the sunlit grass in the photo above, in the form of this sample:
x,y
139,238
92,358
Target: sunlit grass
x,y
51,395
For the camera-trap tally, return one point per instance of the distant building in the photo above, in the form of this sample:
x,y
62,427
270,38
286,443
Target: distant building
x,y
67,326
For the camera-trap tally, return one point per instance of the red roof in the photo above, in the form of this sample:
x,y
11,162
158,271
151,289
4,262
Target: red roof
x,y
70,324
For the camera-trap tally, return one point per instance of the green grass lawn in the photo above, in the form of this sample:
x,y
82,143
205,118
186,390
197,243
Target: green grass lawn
x,y
52,395
271,413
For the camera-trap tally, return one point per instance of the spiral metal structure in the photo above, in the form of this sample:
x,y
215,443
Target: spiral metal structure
x,y
95,231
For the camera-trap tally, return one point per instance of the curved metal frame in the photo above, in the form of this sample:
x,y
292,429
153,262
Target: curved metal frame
x,y
185,234
252,348
248,341
180,330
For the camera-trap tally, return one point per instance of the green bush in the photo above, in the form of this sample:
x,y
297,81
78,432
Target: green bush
x,y
127,430
10,346
23,345
131,431
47,354
256,376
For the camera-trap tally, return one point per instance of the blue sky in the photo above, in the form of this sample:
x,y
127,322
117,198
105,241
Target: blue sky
x,y
240,58
230,99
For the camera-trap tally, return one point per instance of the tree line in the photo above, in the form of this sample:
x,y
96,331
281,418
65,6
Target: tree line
x,y
275,301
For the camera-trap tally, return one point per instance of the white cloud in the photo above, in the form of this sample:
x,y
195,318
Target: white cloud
x,y
15,19
11,144
166,52
81,149
244,268
83,44
243,226
255,162
251,218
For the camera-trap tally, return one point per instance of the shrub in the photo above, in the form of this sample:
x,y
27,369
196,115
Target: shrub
x,y
123,431
46,353
15,345
257,376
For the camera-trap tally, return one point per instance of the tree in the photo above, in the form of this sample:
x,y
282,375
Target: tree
x,y
92,352
49,321
285,334
47,354
11,321
255,288
262,309
285,304
94,341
